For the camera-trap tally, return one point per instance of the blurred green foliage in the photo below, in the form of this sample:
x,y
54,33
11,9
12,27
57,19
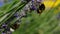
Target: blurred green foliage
x,y
45,23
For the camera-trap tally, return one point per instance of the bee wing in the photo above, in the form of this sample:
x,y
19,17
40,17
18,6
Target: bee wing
x,y
12,30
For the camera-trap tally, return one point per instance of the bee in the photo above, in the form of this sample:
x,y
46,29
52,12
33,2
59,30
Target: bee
x,y
38,6
41,8
15,26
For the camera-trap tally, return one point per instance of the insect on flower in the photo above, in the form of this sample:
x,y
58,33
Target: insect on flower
x,y
15,25
38,5
41,8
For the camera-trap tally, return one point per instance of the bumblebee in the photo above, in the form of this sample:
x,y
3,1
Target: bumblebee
x,y
38,6
41,8
15,26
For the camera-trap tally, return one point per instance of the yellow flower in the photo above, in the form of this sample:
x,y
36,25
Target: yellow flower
x,y
49,4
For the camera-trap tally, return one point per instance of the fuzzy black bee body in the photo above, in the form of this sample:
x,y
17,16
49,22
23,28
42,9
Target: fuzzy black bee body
x,y
41,8
15,26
